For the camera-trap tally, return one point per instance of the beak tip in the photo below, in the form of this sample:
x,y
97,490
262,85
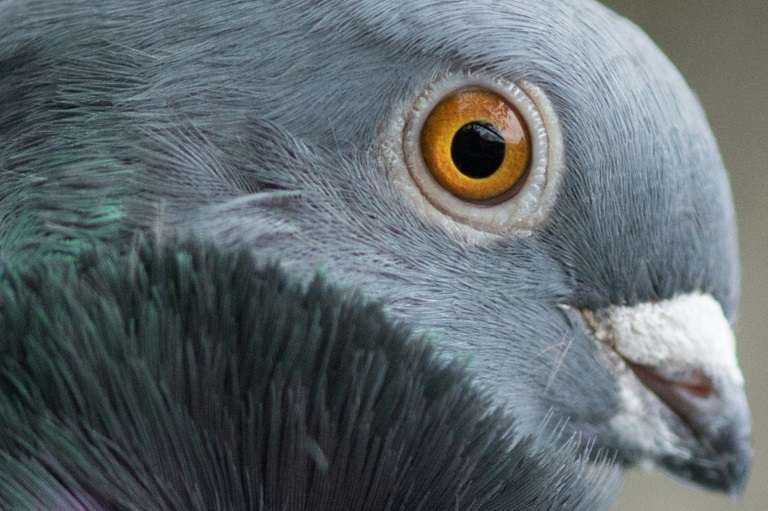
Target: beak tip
x,y
726,472
730,479
736,472
721,455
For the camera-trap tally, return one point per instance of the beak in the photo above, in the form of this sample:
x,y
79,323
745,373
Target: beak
x,y
718,417
682,352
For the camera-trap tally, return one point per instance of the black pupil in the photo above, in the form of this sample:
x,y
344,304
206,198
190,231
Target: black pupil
x,y
478,149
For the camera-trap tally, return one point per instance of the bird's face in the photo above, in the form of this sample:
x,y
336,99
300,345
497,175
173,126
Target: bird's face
x,y
530,183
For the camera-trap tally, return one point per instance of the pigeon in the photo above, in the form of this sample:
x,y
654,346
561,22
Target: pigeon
x,y
532,186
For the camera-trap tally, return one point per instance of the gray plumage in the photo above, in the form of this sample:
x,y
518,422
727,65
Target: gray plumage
x,y
187,378
259,124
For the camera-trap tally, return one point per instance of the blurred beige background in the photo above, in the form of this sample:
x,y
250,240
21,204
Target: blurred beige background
x,y
721,46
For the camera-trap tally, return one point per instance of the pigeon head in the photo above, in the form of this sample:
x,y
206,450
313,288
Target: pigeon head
x,y
532,184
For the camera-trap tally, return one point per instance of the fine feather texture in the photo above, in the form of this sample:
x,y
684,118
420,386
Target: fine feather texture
x,y
183,377
259,124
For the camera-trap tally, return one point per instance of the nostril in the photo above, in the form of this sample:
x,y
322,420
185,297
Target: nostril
x,y
690,394
693,381
704,389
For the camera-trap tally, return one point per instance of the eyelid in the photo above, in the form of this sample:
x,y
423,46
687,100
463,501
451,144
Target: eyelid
x,y
518,215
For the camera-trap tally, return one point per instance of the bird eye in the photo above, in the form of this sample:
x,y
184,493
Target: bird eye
x,y
476,145
478,153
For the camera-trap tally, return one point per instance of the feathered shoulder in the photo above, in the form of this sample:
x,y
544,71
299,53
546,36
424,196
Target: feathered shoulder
x,y
179,376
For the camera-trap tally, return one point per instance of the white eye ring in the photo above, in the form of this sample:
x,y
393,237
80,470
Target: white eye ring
x,y
517,215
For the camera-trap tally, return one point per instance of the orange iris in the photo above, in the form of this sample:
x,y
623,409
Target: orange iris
x,y
476,145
